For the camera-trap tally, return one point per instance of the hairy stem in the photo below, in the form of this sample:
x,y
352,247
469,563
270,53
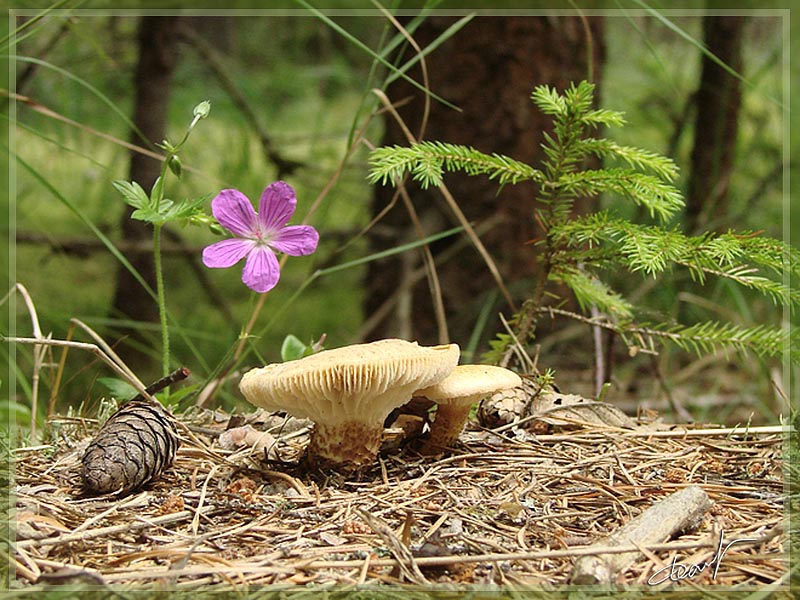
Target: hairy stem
x,y
162,303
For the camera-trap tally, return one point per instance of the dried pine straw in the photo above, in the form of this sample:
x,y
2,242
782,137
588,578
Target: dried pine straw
x,y
507,510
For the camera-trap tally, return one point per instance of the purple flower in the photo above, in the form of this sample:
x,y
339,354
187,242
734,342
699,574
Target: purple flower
x,y
258,234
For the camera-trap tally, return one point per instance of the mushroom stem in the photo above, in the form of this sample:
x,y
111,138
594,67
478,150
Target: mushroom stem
x,y
351,443
445,429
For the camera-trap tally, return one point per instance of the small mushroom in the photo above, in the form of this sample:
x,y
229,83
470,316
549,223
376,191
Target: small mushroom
x,y
348,392
456,394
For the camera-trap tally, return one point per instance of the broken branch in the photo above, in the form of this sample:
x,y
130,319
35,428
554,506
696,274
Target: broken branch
x,y
659,522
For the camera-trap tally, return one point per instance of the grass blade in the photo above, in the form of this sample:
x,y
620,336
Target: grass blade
x,y
362,46
105,99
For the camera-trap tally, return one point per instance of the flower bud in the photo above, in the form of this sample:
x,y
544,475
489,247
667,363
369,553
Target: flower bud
x,y
201,110
175,165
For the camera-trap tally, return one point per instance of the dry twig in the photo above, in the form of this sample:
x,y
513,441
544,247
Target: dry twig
x,y
503,510
679,511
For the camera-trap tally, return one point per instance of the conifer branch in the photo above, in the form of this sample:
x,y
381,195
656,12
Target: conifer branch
x,y
574,248
653,250
591,291
709,336
426,162
661,199
548,100
575,103
701,338
636,158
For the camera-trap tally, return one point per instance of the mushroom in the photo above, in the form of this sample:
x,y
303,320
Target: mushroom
x,y
456,394
348,392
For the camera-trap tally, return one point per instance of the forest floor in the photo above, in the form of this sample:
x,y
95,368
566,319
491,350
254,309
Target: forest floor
x,y
515,507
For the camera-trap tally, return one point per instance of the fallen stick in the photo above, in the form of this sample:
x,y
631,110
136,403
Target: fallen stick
x,y
674,513
143,523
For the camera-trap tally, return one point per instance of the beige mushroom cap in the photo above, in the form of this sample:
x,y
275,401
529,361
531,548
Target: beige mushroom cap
x,y
455,394
349,391
468,383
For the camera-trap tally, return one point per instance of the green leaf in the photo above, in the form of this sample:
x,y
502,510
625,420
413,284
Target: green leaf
x,y
151,215
187,211
141,214
119,389
497,348
132,193
181,212
157,193
173,399
292,348
15,412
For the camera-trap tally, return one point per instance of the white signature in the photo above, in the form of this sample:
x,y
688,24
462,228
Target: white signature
x,y
676,571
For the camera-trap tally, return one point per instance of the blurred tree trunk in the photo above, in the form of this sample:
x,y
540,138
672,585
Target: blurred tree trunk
x,y
488,69
718,100
157,41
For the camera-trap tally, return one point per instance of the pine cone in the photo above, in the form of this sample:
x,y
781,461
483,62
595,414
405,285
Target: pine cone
x,y
508,406
134,447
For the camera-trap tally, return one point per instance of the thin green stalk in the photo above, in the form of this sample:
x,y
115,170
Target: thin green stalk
x,y
157,197
529,315
162,303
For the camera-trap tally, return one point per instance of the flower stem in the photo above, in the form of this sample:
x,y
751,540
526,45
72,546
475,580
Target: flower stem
x,y
162,303
245,334
249,327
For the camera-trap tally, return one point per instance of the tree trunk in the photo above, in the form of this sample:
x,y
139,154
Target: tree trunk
x,y
717,102
157,42
488,69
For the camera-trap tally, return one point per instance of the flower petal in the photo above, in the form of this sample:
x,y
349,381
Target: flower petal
x,y
261,270
296,240
226,253
276,207
232,209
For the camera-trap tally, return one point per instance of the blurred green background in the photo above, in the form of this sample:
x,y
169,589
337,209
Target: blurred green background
x,y
310,87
